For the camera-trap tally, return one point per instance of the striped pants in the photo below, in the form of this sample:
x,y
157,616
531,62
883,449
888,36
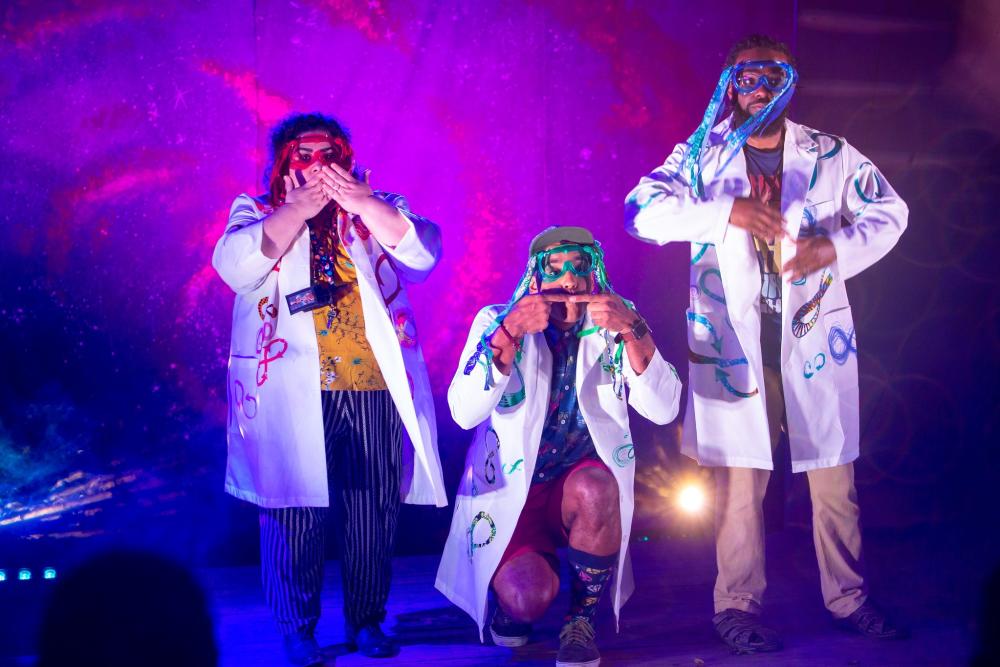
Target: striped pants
x,y
363,435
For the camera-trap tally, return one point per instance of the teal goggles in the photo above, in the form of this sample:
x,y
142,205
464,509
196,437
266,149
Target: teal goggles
x,y
773,75
552,268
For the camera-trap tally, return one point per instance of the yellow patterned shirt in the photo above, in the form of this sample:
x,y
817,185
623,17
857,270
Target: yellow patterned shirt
x,y
346,361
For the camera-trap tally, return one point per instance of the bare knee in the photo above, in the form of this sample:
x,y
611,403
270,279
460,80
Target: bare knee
x,y
526,587
593,495
525,605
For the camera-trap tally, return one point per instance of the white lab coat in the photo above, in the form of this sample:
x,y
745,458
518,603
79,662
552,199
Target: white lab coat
x,y
277,455
824,181
501,459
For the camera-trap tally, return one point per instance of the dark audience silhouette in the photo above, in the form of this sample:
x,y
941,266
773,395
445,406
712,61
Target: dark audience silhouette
x,y
128,608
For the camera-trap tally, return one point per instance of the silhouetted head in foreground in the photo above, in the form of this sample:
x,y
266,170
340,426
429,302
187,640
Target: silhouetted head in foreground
x,y
128,608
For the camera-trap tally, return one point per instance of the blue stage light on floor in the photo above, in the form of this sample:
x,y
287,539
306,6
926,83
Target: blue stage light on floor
x,y
24,574
3,575
49,573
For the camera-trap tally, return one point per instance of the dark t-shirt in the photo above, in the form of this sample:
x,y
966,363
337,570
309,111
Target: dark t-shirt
x,y
764,169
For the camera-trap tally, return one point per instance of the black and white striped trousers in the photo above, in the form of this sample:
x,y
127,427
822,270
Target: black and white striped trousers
x,y
363,435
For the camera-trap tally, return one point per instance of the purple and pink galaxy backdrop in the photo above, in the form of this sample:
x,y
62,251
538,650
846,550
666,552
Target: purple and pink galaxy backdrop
x,y
128,129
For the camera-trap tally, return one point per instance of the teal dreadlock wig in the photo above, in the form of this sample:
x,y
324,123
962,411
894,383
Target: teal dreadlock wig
x,y
593,264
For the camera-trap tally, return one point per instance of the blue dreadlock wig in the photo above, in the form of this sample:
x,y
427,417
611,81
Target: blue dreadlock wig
x,y
745,77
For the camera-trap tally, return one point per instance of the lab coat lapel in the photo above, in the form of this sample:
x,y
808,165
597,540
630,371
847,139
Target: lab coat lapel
x,y
798,162
538,357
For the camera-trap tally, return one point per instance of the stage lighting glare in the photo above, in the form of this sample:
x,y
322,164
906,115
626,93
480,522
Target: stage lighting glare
x,y
24,575
49,573
3,575
691,499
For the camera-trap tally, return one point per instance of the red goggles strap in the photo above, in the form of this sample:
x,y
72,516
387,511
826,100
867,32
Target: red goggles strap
x,y
314,138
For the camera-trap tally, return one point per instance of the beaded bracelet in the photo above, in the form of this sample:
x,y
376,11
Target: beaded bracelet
x,y
516,343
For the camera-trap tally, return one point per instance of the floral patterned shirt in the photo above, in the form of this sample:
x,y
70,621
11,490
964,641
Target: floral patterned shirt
x,y
346,361
565,437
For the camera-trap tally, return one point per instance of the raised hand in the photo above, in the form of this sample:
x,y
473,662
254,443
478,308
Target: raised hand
x,y
811,255
757,218
309,198
531,314
351,194
607,311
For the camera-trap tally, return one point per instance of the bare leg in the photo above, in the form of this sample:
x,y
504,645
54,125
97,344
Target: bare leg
x,y
526,586
590,511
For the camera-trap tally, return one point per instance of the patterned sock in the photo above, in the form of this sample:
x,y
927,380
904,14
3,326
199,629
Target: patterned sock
x,y
590,574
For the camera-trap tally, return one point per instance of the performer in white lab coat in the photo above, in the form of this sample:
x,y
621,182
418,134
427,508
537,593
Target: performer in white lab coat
x,y
779,216
325,374
552,461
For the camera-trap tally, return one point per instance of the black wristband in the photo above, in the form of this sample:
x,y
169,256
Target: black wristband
x,y
638,330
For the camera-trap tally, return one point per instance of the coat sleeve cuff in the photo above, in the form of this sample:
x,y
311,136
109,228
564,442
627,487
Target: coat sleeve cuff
x,y
657,365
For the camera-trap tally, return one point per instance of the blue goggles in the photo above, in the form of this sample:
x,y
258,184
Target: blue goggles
x,y
551,270
772,74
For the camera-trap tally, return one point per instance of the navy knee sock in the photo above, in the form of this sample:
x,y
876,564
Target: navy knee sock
x,y
590,575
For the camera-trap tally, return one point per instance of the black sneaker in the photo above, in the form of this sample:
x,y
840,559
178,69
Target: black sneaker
x,y
370,641
872,622
508,632
576,645
302,649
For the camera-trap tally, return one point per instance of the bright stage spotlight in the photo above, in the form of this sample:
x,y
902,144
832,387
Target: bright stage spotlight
x,y
691,498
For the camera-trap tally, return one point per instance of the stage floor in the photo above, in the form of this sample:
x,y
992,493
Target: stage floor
x,y
666,623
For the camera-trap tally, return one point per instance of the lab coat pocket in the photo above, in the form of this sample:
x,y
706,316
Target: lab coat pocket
x,y
718,367
842,347
483,465
819,219
707,330
707,293
243,399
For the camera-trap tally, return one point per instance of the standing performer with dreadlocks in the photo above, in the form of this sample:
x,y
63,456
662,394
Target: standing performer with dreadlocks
x,y
551,463
767,353
324,375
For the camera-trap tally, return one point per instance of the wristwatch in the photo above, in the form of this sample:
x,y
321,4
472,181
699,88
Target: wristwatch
x,y
638,330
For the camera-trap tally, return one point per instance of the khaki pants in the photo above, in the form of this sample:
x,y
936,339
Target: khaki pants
x,y
739,527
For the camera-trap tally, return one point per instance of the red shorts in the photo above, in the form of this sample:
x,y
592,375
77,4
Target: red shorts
x,y
540,527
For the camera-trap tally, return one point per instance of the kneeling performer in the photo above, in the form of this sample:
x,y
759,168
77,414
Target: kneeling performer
x,y
551,464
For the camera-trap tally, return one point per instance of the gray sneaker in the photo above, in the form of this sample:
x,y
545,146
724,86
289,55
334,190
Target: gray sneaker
x,y
508,632
576,645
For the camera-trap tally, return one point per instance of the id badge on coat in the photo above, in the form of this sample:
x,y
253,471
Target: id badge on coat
x,y
311,298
